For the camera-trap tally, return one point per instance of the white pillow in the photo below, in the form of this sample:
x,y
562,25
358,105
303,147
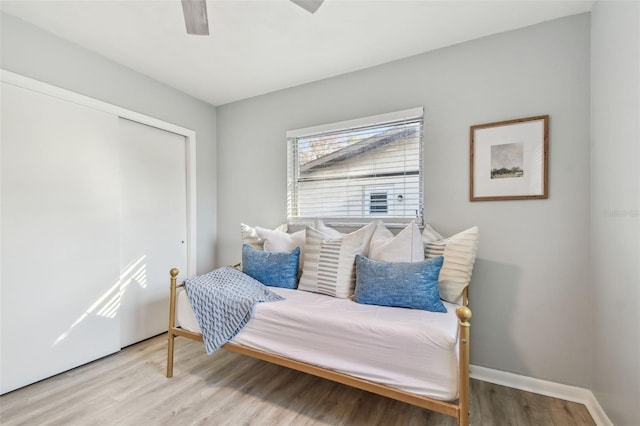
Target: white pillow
x,y
459,253
250,236
278,241
405,247
329,264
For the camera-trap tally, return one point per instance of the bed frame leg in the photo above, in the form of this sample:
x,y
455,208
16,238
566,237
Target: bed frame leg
x,y
464,315
170,356
172,321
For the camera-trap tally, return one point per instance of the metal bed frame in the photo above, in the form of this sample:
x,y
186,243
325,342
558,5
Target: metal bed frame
x,y
458,409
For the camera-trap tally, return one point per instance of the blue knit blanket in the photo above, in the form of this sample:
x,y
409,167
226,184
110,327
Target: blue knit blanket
x,y
223,302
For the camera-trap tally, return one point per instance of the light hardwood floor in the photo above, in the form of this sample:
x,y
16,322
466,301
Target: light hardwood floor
x,y
130,388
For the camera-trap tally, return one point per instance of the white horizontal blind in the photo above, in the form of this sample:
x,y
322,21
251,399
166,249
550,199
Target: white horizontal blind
x,y
353,172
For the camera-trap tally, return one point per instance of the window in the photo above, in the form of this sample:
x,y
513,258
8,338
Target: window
x,y
355,171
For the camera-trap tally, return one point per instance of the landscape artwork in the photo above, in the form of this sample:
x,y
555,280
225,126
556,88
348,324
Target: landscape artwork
x,y
507,160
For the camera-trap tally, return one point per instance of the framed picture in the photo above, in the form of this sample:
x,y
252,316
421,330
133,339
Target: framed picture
x,y
509,160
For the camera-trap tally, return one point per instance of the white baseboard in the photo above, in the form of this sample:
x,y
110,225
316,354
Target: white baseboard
x,y
543,387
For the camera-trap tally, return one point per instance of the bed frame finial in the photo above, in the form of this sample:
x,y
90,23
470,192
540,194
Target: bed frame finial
x,y
464,314
174,272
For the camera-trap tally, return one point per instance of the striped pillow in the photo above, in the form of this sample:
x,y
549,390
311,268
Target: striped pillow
x,y
459,253
434,249
329,263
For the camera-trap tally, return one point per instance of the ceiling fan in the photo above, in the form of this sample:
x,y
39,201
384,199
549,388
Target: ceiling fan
x,y
195,13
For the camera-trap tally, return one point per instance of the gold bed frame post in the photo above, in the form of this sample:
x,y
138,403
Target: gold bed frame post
x,y
172,321
464,315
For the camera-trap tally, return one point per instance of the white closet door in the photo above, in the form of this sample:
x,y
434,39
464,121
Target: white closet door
x,y
153,226
59,236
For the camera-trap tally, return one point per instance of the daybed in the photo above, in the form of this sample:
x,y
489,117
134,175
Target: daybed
x,y
411,355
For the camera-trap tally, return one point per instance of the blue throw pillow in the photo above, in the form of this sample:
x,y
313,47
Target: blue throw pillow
x,y
401,284
277,269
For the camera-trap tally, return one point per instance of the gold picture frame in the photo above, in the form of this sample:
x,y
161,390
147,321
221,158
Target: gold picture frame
x,y
509,160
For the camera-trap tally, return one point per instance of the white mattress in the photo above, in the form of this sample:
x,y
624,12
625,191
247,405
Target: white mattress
x,y
407,349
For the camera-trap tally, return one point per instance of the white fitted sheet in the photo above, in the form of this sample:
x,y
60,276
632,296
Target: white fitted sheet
x,y
408,349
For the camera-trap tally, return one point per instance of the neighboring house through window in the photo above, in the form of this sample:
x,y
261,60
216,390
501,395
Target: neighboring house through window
x,y
355,171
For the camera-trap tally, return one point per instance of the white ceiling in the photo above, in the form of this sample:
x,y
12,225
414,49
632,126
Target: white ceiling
x,y
257,47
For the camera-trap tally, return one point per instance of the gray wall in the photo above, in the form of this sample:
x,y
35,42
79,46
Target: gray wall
x,y
34,53
615,208
530,290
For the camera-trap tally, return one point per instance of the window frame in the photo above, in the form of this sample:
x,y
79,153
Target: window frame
x,y
412,115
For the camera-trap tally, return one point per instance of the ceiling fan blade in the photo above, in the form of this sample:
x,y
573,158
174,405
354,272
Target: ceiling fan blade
x,y
195,16
308,5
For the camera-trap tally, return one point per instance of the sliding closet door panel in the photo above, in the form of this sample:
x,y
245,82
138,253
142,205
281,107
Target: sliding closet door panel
x,y
153,227
59,236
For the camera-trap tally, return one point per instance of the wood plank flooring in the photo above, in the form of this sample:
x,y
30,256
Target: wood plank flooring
x,y
130,388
